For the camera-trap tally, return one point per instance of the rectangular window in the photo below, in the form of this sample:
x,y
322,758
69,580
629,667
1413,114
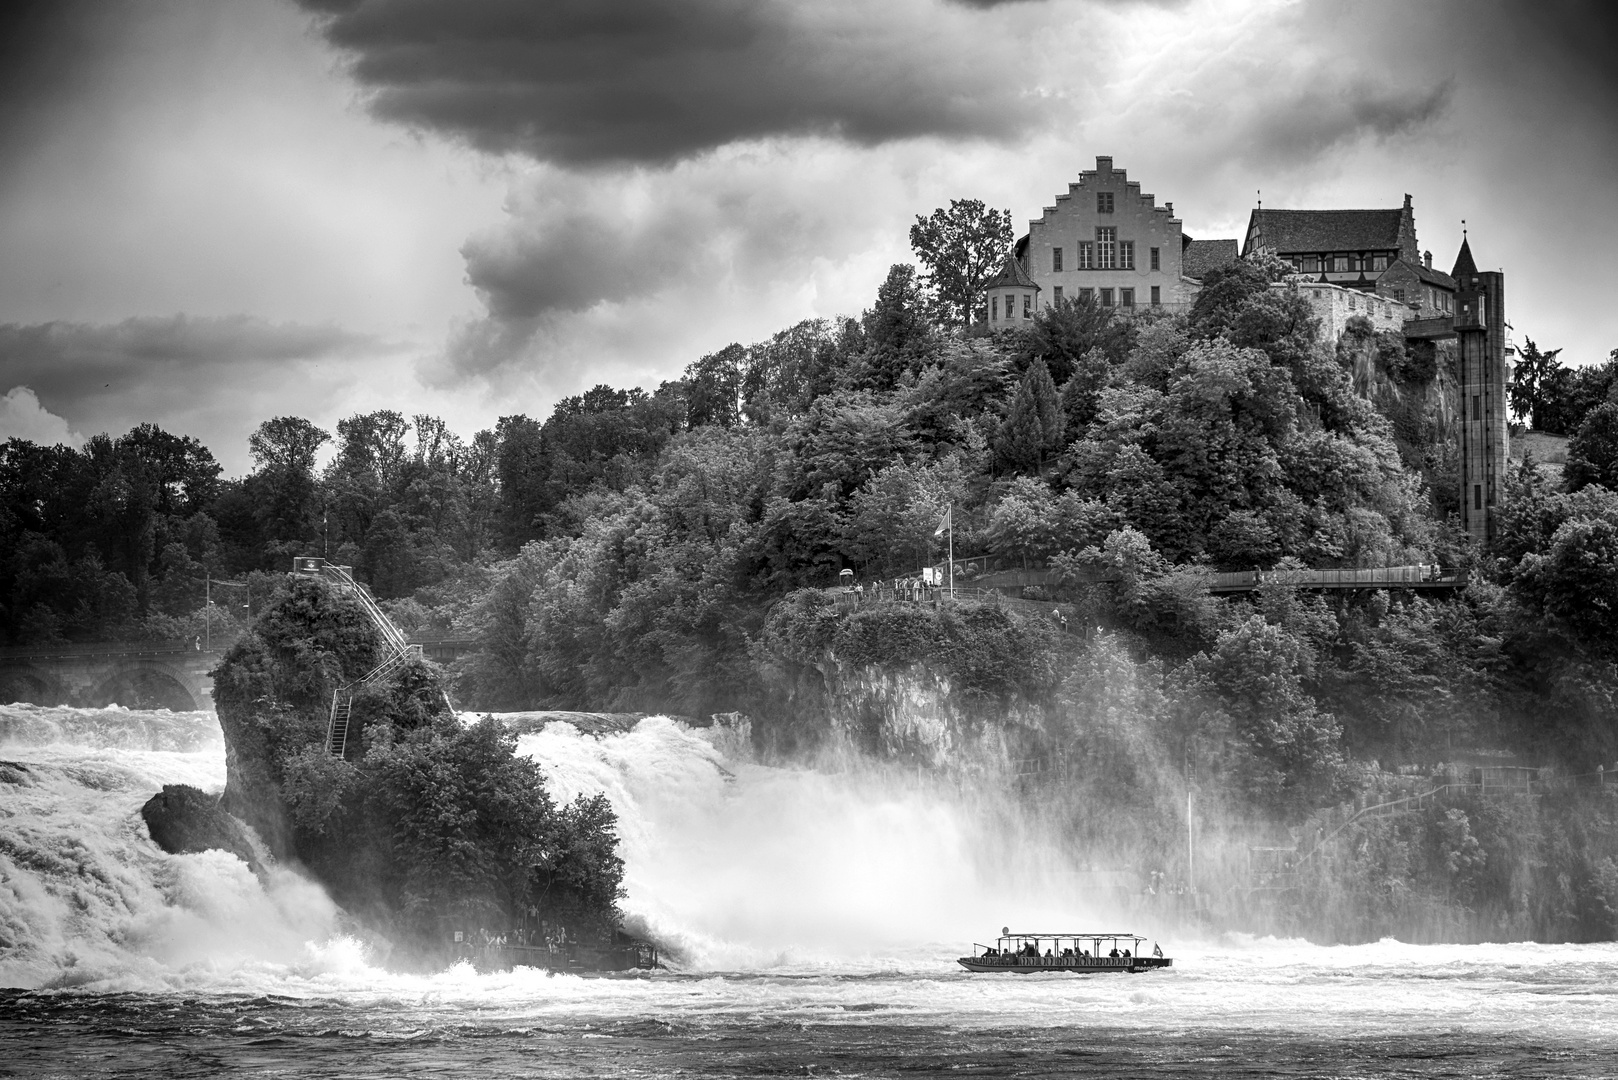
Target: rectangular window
x,y
1311,264
1087,296
1106,298
1126,297
1056,260
994,309
1056,294
1477,407
1477,496
1027,305
1126,254
1155,265
1087,255
1103,202
1353,302
1157,294
1107,247
1339,264
1379,262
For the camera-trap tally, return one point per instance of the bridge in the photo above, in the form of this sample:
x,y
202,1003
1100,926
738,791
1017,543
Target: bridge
x,y
137,674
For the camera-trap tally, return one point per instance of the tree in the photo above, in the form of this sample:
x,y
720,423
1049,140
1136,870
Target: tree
x,y
1592,454
286,497
899,336
1066,333
962,248
1532,376
713,388
1032,432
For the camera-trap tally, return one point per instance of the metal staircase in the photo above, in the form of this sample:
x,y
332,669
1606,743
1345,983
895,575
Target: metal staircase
x,y
396,646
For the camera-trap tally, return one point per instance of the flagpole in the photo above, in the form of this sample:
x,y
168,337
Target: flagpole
x,y
952,551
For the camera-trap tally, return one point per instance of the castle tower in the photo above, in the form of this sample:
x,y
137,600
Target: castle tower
x,y
1480,330
1011,296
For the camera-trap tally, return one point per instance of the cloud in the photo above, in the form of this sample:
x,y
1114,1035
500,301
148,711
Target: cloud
x,y
23,417
216,378
583,82
646,258
85,360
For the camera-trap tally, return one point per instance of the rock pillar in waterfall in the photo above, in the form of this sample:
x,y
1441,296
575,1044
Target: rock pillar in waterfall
x,y
1480,329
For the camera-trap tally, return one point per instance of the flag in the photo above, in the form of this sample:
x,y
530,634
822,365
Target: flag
x,y
1157,950
948,522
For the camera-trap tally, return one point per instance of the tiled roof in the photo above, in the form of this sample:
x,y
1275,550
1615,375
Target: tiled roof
x,y
1464,266
1288,231
1011,273
1435,277
1200,256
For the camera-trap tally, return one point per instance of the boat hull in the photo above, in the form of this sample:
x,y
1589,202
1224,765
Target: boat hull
x,y
1075,965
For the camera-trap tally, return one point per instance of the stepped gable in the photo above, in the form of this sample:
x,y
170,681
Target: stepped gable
x,y
1202,256
1328,230
1011,274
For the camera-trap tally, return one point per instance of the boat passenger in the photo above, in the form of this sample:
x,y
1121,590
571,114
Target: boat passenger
x,y
1067,954
1126,954
1114,953
1048,954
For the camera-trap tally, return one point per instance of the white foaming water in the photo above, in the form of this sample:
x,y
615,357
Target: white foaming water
x,y
86,897
737,865
821,894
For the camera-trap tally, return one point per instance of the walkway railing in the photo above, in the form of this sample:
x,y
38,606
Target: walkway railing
x,y
102,648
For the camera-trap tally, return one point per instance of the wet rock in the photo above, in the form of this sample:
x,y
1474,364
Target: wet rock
x,y
183,820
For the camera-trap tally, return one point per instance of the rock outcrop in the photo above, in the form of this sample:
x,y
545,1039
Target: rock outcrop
x,y
183,821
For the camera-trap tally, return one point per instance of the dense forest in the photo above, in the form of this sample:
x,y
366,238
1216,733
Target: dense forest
x,y
669,550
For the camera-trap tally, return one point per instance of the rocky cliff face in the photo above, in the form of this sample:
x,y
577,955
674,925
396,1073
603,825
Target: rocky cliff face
x,y
903,713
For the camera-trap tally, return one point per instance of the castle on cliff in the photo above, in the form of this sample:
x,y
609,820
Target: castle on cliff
x,y
1106,242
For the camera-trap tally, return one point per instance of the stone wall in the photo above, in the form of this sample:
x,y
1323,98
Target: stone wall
x,y
1334,305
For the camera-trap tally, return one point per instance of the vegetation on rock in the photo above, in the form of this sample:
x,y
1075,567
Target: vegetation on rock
x,y
426,822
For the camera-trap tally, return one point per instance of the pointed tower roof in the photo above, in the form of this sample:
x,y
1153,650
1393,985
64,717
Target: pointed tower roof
x,y
1464,266
1012,273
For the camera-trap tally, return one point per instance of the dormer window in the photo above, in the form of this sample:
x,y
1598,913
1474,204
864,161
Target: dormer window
x,y
1379,262
1339,264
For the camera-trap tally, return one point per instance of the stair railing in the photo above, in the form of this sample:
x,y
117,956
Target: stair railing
x,y
342,699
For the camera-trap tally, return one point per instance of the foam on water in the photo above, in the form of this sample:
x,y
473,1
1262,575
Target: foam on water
x,y
802,895
741,865
86,897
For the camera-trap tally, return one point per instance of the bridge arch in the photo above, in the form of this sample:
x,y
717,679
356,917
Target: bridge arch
x,y
149,684
27,683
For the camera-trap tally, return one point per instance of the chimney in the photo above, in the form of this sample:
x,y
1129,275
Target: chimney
x,y
1427,259
1103,164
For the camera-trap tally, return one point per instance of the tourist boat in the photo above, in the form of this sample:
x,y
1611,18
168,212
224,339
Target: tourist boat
x,y
1080,953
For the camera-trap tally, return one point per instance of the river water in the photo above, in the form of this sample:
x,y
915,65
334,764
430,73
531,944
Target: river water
x,y
811,918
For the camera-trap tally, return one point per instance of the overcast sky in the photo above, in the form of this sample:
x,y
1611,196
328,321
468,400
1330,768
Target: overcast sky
x,y
217,211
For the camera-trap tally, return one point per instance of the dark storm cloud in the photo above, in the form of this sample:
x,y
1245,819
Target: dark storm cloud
x,y
1323,116
50,51
68,364
584,82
